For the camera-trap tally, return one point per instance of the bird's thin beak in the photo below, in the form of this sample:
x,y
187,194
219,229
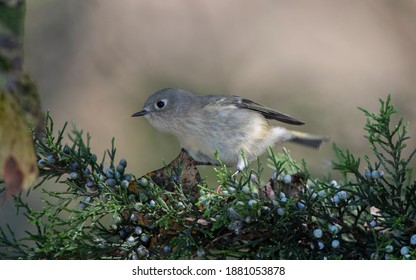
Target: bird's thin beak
x,y
141,113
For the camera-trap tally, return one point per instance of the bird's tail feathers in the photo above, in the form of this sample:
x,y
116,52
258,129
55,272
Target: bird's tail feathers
x,y
309,140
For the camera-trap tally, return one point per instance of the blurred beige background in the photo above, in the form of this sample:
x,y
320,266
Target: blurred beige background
x,y
96,62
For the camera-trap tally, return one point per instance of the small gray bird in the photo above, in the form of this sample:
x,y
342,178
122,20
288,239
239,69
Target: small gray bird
x,y
230,124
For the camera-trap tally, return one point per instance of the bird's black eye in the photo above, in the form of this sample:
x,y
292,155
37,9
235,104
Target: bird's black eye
x,y
160,104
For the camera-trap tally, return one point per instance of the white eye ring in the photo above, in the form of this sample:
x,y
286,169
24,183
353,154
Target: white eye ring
x,y
161,104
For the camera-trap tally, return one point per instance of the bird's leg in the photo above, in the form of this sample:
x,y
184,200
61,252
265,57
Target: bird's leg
x,y
241,164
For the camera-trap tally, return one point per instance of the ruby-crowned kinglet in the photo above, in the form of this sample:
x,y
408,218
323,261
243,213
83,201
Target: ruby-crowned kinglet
x,y
233,125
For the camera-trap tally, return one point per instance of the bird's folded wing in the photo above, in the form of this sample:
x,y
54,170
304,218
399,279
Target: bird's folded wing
x,y
267,112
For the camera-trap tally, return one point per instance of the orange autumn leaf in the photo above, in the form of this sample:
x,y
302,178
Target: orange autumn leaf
x,y
18,165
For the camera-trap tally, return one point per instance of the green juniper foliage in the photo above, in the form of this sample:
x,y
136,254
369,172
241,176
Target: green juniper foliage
x,y
107,213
